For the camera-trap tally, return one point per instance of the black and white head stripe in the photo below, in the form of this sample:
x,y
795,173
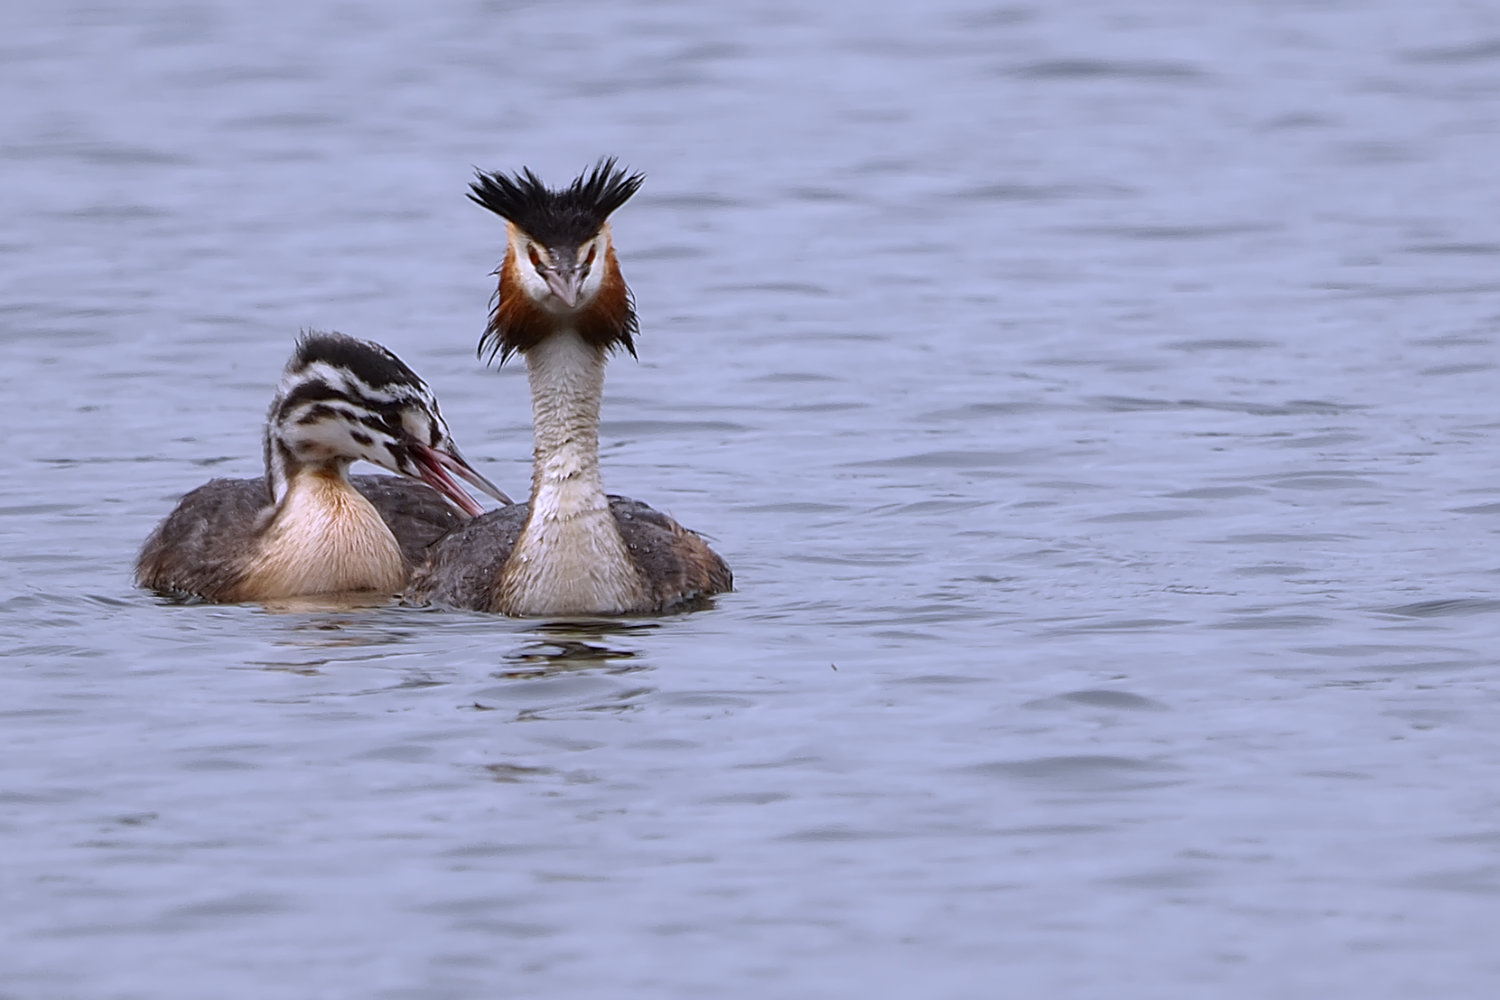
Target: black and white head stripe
x,y
360,366
343,398
561,218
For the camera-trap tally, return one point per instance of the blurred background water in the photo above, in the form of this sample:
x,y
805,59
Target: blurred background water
x,y
1096,402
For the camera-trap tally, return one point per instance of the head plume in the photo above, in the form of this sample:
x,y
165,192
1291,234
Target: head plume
x,y
560,270
563,217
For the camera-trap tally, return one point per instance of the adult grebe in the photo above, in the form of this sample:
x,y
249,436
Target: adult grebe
x,y
306,527
563,304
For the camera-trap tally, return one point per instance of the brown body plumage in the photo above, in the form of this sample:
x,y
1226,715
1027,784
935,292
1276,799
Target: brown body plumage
x,y
674,566
215,544
563,304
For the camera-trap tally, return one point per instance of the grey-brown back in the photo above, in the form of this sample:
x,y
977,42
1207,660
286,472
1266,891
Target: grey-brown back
x,y
209,542
676,564
205,546
463,566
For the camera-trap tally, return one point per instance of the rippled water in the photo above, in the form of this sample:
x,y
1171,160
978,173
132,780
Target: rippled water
x,y
1096,402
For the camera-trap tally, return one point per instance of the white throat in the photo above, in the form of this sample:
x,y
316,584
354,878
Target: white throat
x,y
570,558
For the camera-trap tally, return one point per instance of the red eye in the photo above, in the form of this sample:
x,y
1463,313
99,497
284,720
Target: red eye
x,y
590,259
536,258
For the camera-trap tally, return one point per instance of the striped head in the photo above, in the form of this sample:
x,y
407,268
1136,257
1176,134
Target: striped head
x,y
560,270
342,400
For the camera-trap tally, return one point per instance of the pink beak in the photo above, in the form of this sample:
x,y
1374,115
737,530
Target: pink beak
x,y
565,286
436,465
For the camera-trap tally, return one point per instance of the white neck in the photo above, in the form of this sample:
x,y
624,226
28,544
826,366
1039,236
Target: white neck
x,y
567,382
570,558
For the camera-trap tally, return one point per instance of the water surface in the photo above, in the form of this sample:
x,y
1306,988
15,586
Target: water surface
x,y
1096,402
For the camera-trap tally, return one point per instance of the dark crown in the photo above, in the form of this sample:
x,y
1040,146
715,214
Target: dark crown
x,y
565,217
360,383
367,361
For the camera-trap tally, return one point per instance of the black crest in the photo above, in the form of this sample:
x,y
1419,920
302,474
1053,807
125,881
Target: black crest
x,y
367,361
565,217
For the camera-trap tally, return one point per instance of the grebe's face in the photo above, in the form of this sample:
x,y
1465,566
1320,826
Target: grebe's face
x,y
342,400
336,430
560,279
410,439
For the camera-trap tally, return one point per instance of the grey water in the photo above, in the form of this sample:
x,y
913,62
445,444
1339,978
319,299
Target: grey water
x,y
1096,402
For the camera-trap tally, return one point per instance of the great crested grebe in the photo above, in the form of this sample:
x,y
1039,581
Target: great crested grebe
x,y
306,527
563,304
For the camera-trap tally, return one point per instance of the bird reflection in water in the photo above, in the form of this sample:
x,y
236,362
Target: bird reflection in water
x,y
576,644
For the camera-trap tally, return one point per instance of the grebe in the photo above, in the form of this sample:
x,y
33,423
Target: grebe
x,y
563,304
306,527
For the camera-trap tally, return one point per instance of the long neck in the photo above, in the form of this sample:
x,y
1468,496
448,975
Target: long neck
x,y
567,382
570,558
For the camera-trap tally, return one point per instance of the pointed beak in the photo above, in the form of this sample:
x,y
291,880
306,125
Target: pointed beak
x,y
565,285
436,466
451,459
